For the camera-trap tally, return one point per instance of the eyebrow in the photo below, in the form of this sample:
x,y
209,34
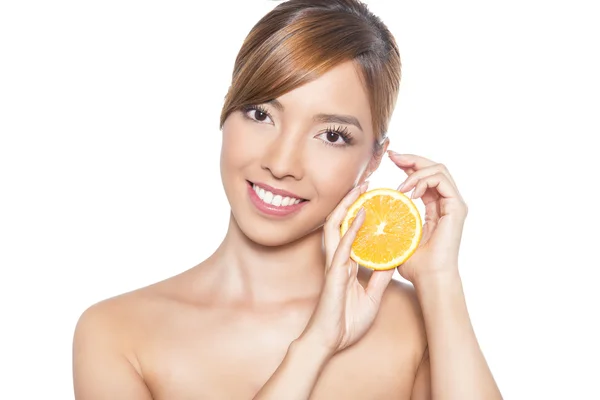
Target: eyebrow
x,y
325,118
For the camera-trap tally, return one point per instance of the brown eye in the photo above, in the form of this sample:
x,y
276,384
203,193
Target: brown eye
x,y
336,136
257,113
260,116
333,136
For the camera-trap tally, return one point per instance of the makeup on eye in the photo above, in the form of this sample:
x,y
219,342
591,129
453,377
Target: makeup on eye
x,y
331,136
260,112
337,136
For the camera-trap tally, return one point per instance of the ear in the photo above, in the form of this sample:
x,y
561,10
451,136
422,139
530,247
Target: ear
x,y
376,159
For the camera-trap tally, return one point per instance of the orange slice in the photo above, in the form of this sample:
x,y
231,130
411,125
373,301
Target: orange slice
x,y
391,231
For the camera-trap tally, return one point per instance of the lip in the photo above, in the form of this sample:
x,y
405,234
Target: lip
x,y
269,209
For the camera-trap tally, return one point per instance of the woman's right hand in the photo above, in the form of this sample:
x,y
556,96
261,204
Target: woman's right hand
x,y
346,310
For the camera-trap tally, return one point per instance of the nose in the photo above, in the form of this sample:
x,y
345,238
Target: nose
x,y
283,158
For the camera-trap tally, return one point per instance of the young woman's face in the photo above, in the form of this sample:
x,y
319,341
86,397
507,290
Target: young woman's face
x,y
286,164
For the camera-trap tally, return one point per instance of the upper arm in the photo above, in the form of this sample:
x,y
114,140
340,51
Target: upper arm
x,y
100,368
422,385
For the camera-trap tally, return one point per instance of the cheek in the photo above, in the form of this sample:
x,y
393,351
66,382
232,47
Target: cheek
x,y
336,174
237,148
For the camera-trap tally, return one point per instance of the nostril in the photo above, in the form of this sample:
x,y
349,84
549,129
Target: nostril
x,y
283,160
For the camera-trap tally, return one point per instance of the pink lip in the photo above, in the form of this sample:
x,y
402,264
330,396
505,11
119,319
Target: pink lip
x,y
269,209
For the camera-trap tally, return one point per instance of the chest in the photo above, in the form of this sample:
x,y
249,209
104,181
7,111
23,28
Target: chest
x,y
234,362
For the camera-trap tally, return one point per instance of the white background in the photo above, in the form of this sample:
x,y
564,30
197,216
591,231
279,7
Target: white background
x,y
109,181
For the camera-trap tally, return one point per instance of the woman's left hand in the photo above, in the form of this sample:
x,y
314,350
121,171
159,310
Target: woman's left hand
x,y
445,213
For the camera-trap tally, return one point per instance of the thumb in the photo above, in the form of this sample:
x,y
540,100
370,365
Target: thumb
x,y
341,265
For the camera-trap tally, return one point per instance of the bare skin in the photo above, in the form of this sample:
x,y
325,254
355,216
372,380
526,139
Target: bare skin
x,y
182,339
279,311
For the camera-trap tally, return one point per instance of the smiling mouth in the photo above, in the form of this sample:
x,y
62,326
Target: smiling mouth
x,y
275,197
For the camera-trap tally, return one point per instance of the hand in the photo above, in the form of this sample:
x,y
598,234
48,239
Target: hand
x,y
445,213
346,310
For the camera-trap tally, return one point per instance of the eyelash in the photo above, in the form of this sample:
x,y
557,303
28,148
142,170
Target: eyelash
x,y
258,108
342,131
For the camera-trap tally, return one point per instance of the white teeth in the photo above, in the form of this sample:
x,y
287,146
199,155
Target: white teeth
x,y
268,197
273,199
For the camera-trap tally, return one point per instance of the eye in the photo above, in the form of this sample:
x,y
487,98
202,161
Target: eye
x,y
336,136
257,113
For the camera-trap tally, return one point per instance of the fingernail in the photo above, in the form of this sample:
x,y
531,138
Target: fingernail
x,y
393,153
364,186
401,185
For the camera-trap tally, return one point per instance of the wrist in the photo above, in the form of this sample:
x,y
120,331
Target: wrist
x,y
442,302
311,348
437,282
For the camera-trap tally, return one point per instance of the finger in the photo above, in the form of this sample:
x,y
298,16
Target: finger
x,y
416,163
353,269
342,254
442,185
409,160
412,163
331,230
378,283
413,178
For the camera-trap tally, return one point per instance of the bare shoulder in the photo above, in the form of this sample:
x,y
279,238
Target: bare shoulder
x,y
105,364
125,321
400,315
112,324
121,318
400,299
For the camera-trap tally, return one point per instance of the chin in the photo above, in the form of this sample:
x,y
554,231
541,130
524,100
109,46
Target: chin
x,y
273,233
269,237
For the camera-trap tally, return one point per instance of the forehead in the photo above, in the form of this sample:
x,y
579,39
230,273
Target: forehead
x,y
338,91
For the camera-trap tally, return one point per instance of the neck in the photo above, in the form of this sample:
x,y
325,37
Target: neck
x,y
252,273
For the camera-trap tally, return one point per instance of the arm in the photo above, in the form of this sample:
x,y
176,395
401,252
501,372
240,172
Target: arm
x,y
454,367
454,364
297,375
100,370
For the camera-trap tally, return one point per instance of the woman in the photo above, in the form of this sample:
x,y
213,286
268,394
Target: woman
x,y
279,311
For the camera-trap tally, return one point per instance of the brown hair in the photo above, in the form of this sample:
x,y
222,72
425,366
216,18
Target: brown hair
x,y
299,40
